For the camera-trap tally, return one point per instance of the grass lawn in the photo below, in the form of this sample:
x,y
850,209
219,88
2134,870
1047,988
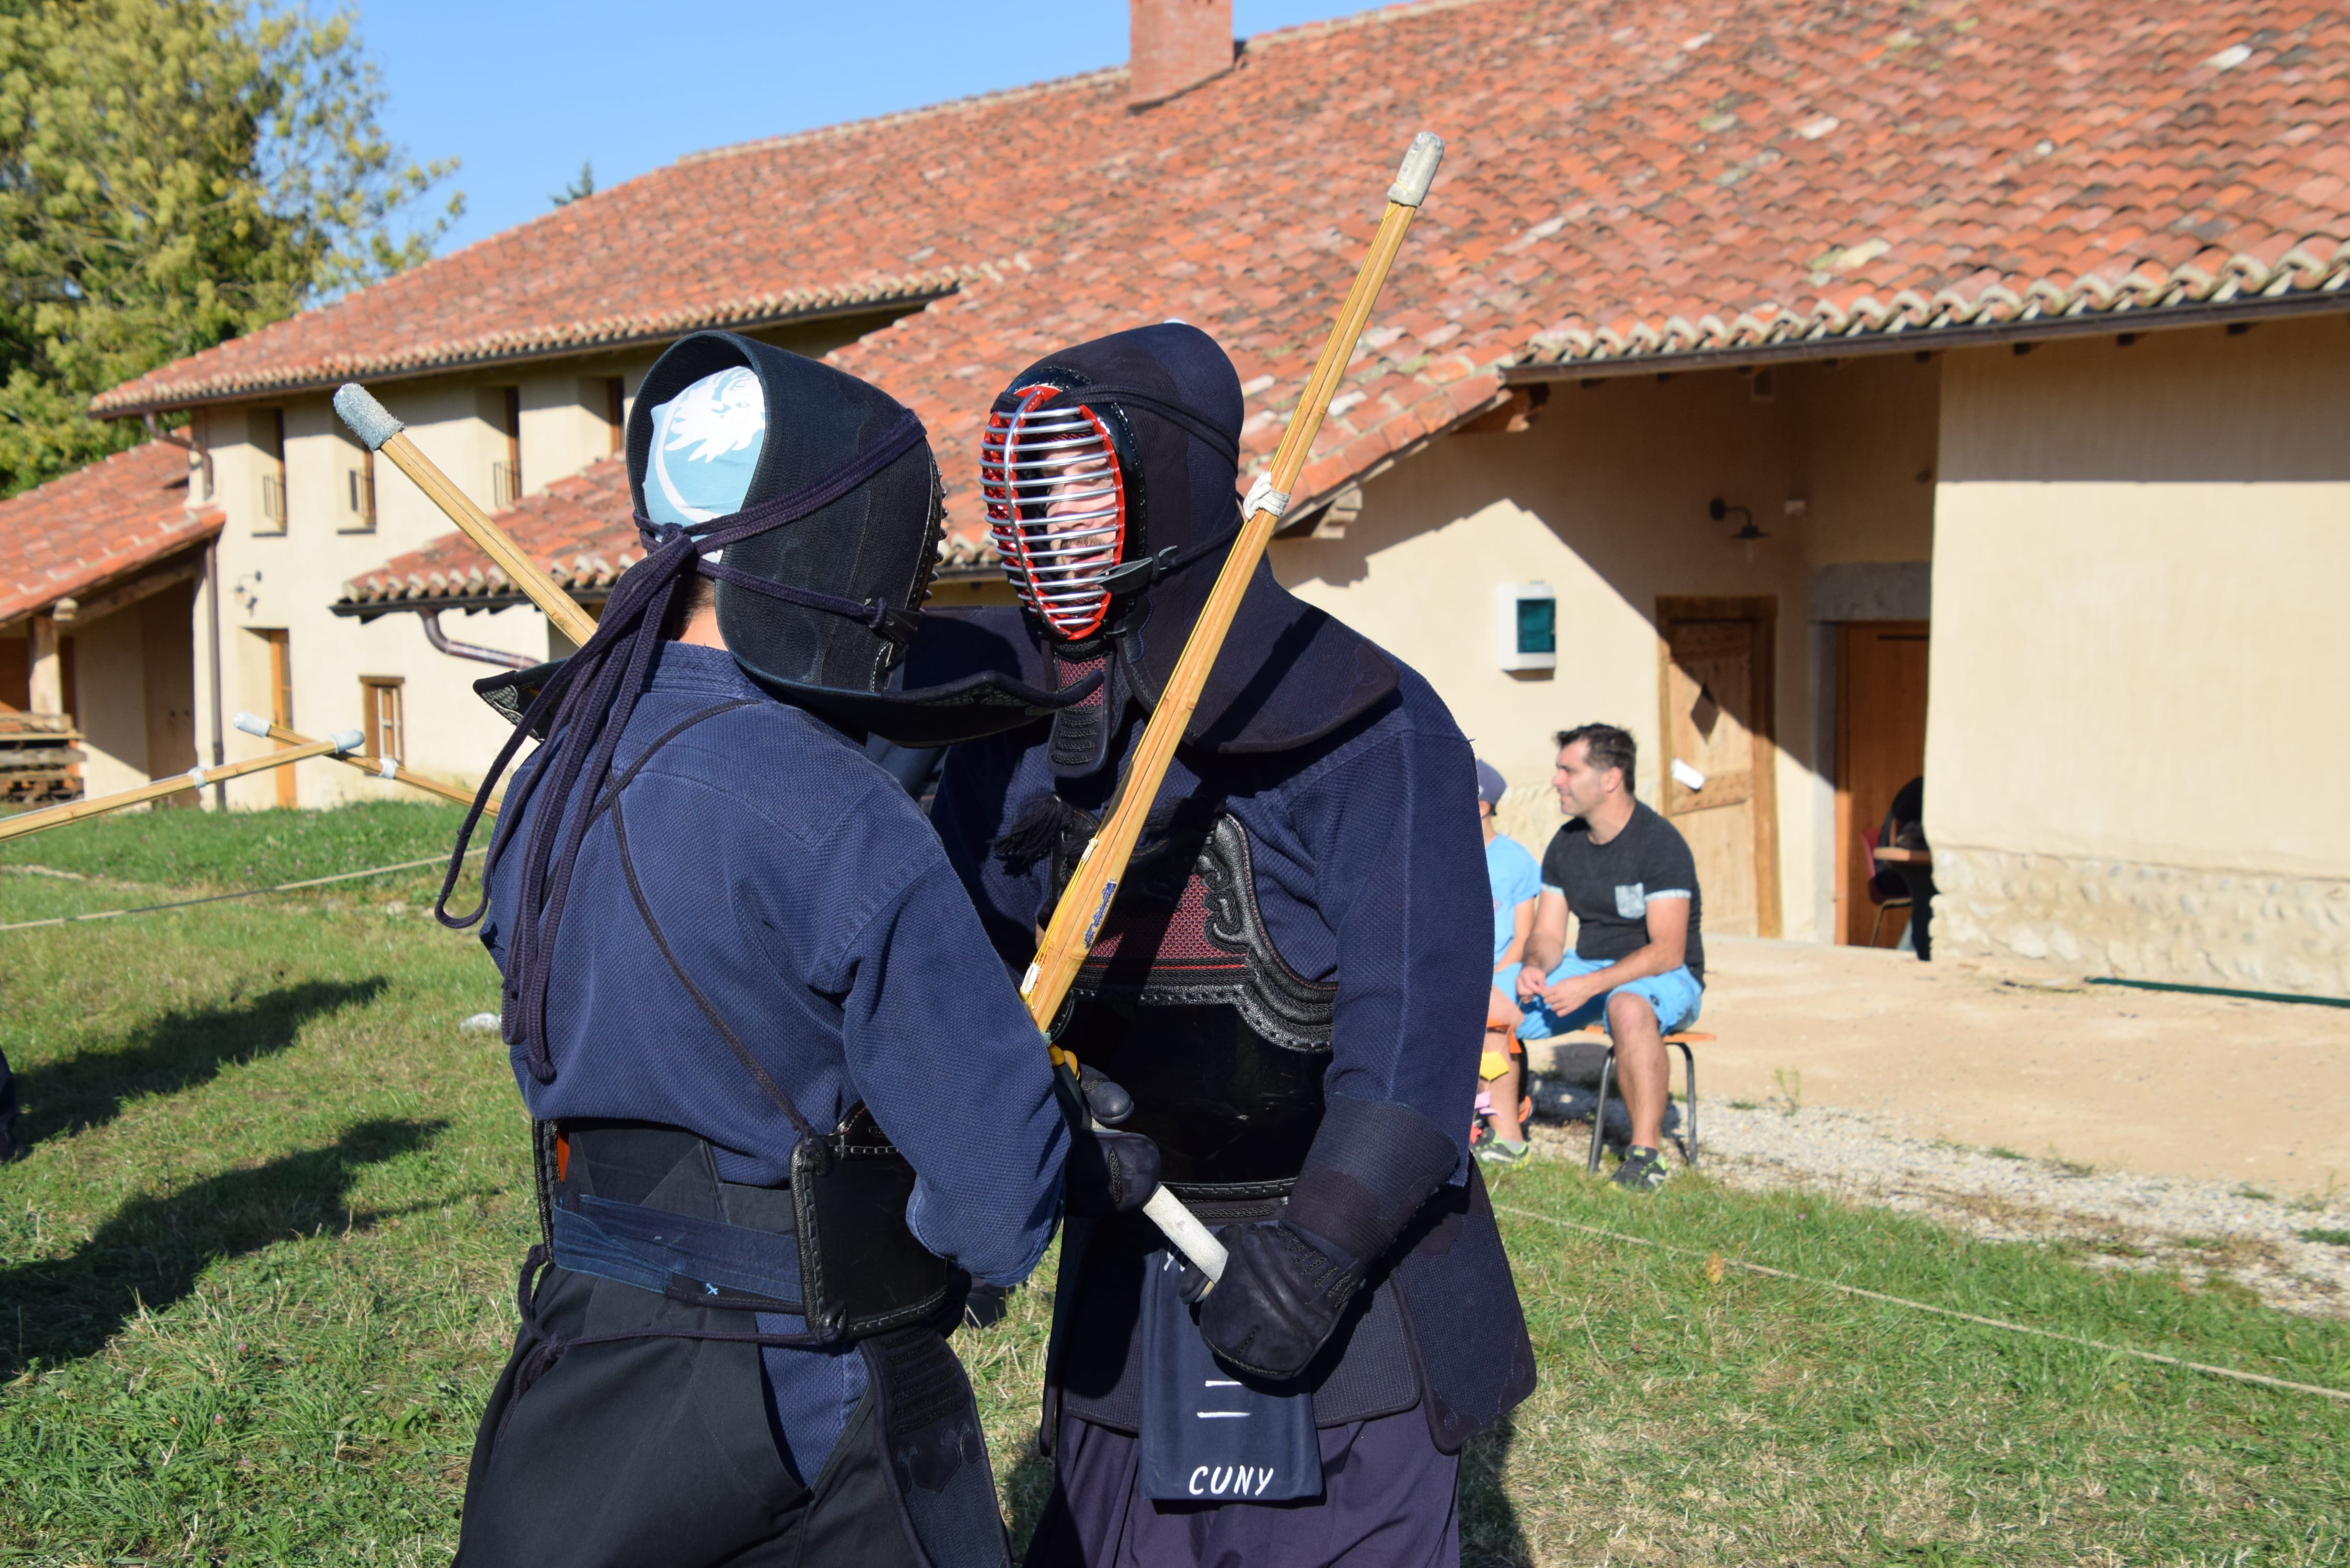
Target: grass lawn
x,y
256,1277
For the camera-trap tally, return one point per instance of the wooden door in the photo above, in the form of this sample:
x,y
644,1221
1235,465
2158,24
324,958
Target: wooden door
x,y
1715,783
281,705
168,657
1880,746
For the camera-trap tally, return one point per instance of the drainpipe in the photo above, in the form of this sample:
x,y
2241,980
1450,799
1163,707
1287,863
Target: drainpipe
x,y
456,649
213,628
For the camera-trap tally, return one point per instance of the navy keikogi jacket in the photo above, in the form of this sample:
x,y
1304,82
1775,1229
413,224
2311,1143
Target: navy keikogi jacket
x,y
812,903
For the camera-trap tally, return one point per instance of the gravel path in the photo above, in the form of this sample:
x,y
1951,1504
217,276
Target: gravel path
x,y
2206,1230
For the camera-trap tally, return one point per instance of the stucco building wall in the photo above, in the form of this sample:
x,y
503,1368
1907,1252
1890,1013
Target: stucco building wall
x,y
288,580
2136,739
1604,498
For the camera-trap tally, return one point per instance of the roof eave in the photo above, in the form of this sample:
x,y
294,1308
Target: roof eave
x,y
1856,342
365,610
251,387
208,523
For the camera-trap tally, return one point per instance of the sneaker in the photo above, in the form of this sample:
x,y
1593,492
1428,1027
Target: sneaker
x,y
1502,1151
1643,1171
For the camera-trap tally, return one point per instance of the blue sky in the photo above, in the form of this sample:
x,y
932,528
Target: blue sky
x,y
523,90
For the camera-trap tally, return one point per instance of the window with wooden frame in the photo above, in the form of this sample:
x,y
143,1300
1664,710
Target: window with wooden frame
x,y
505,478
381,705
266,430
358,496
615,414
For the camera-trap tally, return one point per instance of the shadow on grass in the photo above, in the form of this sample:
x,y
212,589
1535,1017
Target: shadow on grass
x,y
151,1251
1026,1490
178,1050
1490,1535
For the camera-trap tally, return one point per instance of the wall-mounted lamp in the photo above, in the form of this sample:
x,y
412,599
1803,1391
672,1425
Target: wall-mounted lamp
x,y
1749,533
1526,624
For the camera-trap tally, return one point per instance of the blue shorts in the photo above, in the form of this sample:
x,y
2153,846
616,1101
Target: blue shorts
x,y
1673,996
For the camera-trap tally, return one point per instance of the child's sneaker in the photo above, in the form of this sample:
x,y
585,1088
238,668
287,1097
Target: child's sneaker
x,y
1643,1171
1501,1151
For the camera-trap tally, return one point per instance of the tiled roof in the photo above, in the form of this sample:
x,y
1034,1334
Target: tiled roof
x,y
577,528
75,534
1622,184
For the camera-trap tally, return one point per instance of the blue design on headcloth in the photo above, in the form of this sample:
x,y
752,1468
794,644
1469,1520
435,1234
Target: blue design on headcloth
x,y
706,444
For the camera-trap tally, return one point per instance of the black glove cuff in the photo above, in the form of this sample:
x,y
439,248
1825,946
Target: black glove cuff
x,y
1373,1164
1110,1173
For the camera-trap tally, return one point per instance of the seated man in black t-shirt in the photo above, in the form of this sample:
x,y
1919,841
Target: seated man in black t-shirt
x,y
1639,964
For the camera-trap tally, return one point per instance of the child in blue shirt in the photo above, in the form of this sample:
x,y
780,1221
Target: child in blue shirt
x,y
1516,882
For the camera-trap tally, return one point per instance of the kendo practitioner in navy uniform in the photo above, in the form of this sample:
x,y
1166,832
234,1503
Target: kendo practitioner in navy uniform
x,y
1289,989
788,1104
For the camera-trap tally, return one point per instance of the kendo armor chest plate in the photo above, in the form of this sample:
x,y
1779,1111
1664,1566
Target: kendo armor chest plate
x,y
1186,1002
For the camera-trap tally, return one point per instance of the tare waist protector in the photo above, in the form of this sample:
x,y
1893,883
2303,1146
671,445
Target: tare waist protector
x,y
643,1205
1185,1002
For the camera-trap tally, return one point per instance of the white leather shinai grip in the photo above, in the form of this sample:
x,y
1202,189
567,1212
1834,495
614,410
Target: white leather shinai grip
x,y
1182,1227
253,724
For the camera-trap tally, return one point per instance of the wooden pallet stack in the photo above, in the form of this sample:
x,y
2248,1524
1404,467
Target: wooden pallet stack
x,y
40,760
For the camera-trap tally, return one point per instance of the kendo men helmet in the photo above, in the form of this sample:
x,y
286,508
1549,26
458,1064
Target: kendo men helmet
x,y
812,499
1109,472
861,561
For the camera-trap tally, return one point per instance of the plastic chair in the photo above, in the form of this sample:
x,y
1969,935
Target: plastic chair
x,y
1885,890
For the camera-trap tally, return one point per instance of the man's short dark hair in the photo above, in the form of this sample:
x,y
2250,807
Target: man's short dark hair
x,y
700,594
1606,746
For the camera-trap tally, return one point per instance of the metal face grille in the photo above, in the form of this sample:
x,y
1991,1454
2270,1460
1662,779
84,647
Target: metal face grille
x,y
1057,506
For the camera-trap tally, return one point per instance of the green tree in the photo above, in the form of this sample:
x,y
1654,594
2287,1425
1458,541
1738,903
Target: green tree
x,y
174,173
583,186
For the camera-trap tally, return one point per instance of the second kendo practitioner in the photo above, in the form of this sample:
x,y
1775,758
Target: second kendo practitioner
x,y
788,1105
1290,988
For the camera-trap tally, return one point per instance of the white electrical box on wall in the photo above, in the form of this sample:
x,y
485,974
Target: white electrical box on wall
x,y
1526,624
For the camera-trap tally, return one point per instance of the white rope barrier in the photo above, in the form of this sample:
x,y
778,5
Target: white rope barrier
x,y
2261,1378
248,893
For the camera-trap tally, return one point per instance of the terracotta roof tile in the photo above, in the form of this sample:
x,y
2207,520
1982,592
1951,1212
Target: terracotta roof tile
x,y
1620,185
74,534
577,528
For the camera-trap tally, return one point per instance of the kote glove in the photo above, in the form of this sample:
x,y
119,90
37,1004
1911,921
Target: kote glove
x,y
1372,1166
1108,1172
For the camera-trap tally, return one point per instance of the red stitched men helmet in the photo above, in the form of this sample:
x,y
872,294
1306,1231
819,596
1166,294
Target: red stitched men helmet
x,y
1057,505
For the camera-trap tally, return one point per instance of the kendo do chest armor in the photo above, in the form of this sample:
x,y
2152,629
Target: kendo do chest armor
x,y
1185,1002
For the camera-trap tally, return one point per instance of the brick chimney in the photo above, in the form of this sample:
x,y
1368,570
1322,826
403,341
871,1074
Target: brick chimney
x,y
1173,45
